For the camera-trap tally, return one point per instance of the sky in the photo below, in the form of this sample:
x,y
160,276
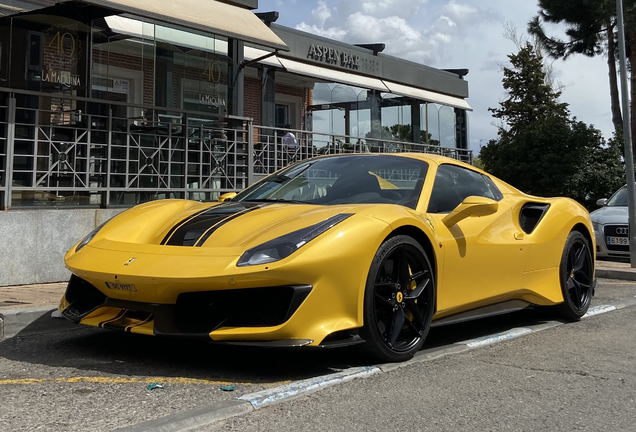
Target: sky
x,y
454,34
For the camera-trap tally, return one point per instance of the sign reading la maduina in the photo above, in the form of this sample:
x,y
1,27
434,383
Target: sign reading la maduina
x,y
333,57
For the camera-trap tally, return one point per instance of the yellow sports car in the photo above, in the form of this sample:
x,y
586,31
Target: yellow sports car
x,y
335,250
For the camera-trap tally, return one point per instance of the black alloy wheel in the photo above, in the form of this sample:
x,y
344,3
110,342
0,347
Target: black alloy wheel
x,y
399,300
576,274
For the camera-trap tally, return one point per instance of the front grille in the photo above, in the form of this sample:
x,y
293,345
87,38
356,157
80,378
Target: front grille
x,y
611,230
203,312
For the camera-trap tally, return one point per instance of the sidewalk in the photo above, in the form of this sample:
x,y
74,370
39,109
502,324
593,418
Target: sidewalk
x,y
615,270
27,306
31,295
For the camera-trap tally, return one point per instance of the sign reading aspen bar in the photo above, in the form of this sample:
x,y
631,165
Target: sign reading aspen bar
x,y
334,57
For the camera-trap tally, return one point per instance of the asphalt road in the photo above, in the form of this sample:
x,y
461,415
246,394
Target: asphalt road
x,y
575,376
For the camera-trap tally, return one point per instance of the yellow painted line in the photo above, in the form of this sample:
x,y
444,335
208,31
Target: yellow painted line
x,y
116,380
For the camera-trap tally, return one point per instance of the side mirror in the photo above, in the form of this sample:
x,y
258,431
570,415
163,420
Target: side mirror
x,y
471,206
601,202
227,196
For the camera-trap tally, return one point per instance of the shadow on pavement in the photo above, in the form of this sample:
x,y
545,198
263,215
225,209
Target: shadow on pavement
x,y
99,351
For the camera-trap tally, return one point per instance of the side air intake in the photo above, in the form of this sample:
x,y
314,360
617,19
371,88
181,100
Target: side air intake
x,y
530,216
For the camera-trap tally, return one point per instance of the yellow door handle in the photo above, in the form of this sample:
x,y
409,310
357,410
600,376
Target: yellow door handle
x,y
519,236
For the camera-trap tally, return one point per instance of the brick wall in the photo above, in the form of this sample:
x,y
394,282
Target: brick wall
x,y
126,61
252,99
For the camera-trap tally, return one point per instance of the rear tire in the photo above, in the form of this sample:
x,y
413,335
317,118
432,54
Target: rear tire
x,y
399,300
576,274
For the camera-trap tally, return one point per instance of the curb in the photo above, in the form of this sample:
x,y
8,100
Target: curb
x,y
192,419
13,321
606,273
199,417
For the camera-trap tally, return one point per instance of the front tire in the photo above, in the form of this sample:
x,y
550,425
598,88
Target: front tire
x,y
399,300
576,274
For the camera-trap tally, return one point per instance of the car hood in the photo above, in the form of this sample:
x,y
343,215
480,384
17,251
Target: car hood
x,y
231,226
610,215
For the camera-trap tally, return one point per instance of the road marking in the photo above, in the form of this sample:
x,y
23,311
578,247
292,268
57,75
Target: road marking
x,y
288,391
596,310
497,337
116,380
614,282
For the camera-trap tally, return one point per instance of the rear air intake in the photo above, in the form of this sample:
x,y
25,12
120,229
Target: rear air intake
x,y
530,216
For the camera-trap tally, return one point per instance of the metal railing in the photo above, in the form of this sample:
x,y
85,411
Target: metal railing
x,y
60,151
275,148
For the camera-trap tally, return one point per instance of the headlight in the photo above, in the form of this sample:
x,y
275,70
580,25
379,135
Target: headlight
x,y
89,237
283,246
596,226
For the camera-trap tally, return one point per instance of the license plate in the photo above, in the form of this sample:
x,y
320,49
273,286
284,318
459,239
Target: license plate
x,y
621,241
121,287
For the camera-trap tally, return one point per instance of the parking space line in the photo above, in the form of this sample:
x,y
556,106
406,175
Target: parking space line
x,y
596,310
497,337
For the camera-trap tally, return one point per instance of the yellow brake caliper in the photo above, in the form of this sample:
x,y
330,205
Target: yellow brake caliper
x,y
410,287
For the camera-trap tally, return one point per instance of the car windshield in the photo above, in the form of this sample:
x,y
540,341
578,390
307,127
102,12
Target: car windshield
x,y
352,179
619,199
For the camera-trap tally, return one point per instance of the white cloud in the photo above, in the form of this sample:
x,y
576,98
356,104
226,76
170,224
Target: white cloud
x,y
448,21
331,32
321,13
459,11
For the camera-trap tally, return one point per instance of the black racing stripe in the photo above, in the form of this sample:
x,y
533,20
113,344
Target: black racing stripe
x,y
189,231
149,318
115,318
130,318
212,229
177,225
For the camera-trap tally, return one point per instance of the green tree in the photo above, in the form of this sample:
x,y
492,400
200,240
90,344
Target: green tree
x,y
590,30
540,149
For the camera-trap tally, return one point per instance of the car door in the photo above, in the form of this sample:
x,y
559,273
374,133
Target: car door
x,y
484,256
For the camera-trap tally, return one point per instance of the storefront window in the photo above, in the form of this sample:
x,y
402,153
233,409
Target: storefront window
x,y
447,126
396,118
341,109
440,121
123,64
49,54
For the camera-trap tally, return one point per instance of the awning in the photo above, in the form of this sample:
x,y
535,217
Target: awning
x,y
210,16
427,95
332,75
326,74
